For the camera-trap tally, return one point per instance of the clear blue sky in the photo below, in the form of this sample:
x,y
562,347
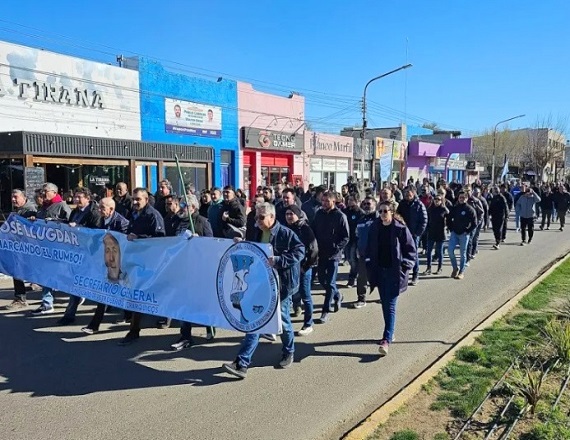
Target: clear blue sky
x,y
475,62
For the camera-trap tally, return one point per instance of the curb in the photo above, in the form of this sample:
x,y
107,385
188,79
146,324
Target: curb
x,y
382,414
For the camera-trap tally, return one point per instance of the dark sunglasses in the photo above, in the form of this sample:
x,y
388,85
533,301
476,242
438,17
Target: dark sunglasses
x,y
384,211
437,199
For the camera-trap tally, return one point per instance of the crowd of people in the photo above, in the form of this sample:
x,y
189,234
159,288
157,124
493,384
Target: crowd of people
x,y
380,234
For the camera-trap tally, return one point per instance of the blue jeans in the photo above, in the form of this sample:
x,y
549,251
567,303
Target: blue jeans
x,y
416,268
47,297
517,218
304,294
389,297
351,254
474,242
251,340
461,240
327,277
438,246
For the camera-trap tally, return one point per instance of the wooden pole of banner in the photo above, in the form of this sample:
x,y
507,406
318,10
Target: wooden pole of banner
x,y
184,191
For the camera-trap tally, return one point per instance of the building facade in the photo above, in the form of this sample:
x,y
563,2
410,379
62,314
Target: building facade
x,y
328,159
272,137
185,110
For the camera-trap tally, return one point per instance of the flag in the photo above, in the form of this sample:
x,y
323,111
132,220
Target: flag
x,y
505,170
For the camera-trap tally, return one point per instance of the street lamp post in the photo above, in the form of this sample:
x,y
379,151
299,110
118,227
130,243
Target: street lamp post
x,y
495,144
364,123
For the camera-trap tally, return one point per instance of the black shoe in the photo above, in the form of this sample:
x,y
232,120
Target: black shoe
x,y
65,321
122,321
296,311
129,339
438,271
323,319
182,343
286,360
350,283
337,304
210,333
236,370
414,280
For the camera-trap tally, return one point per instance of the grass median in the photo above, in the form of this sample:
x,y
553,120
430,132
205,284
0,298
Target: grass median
x,y
445,402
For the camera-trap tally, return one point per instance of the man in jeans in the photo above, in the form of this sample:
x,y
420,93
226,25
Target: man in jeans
x,y
462,221
289,251
353,215
526,205
53,208
26,209
362,231
562,203
331,230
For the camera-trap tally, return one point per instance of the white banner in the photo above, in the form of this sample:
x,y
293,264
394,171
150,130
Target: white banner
x,y
191,118
203,280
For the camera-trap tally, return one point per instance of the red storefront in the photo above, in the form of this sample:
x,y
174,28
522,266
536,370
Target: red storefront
x,y
269,158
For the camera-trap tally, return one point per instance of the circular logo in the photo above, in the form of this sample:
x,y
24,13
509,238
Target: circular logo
x,y
247,287
264,141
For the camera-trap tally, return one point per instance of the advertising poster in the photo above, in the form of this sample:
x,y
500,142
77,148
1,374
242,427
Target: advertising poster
x,y
191,118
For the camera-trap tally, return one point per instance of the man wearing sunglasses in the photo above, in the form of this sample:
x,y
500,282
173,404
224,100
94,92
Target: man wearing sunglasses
x,y
462,221
286,261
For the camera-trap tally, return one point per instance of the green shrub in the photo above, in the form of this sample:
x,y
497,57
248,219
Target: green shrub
x,y
470,354
441,436
558,333
405,435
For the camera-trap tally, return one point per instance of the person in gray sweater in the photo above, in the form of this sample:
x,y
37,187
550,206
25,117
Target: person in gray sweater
x,y
526,207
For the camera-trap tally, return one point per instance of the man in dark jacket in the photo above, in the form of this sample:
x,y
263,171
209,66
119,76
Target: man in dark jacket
x,y
353,214
215,212
461,222
164,190
146,222
415,216
287,199
546,207
437,215
232,215
562,203
480,205
499,211
176,220
288,254
362,231
53,208
331,230
86,214
311,206
297,223
111,221
123,201
202,228
24,208
510,204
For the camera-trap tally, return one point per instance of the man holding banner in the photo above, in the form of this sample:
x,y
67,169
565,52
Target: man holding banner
x,y
286,261
145,222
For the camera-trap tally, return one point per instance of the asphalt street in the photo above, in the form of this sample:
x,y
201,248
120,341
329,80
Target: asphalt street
x,y
56,383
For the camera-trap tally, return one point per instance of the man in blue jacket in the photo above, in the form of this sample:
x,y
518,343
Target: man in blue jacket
x,y
288,254
415,216
362,235
331,230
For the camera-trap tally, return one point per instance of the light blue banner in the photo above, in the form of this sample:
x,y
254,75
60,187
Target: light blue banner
x,y
203,280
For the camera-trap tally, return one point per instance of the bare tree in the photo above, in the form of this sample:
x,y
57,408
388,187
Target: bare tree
x,y
545,144
506,143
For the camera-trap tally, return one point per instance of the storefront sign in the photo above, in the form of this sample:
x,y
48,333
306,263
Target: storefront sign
x,y
329,164
99,180
272,140
53,92
185,117
343,165
330,146
45,92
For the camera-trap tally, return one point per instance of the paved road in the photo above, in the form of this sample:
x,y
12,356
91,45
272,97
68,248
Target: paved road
x,y
57,384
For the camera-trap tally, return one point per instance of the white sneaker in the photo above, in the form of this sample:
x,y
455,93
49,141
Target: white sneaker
x,y
269,337
81,301
43,310
305,331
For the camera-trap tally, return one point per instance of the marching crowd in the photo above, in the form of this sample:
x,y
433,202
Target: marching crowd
x,y
380,234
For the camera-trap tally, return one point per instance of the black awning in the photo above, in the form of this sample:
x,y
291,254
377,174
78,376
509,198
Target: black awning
x,y
45,144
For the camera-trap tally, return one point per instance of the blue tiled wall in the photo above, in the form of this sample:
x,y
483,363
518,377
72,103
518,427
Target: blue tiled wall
x,y
157,83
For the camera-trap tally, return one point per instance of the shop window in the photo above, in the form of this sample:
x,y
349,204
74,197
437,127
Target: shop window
x,y
11,177
195,174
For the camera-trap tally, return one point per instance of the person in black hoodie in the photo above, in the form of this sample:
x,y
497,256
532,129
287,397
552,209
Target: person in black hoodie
x,y
176,220
562,203
499,211
510,203
462,221
546,207
311,206
331,230
437,214
205,202
232,214
362,231
353,214
297,223
85,214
